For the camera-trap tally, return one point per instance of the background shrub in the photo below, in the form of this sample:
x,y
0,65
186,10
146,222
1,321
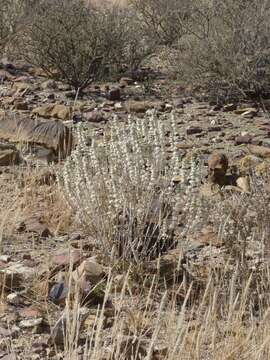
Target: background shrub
x,y
10,20
162,21
80,43
226,48
64,39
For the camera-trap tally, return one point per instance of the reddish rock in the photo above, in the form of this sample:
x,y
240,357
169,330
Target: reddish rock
x,y
66,256
30,312
113,94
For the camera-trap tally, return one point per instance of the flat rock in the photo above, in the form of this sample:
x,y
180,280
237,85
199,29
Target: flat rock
x,y
30,323
142,106
56,111
192,130
243,139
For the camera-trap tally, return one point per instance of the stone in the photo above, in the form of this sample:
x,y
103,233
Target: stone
x,y
64,257
246,111
22,88
217,168
57,111
243,139
59,293
21,105
89,271
194,130
95,116
178,103
14,274
229,107
244,184
125,81
5,258
113,94
48,85
30,312
9,155
34,225
139,107
50,134
14,299
30,323
261,151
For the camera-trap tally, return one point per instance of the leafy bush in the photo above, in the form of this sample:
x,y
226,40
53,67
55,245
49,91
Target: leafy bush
x,y
122,190
227,47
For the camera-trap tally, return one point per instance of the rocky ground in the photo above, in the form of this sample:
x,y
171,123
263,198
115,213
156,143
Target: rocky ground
x,y
41,244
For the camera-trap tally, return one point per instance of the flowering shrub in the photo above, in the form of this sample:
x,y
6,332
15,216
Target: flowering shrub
x,y
124,192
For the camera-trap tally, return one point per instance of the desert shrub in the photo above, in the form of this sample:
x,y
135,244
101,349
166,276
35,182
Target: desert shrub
x,y
226,48
79,43
162,20
64,39
125,41
244,220
10,17
122,190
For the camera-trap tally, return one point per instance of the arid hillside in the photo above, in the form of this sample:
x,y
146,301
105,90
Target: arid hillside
x,y
134,180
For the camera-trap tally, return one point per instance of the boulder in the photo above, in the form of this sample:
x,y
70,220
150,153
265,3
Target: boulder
x,y
51,134
8,155
58,111
217,168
